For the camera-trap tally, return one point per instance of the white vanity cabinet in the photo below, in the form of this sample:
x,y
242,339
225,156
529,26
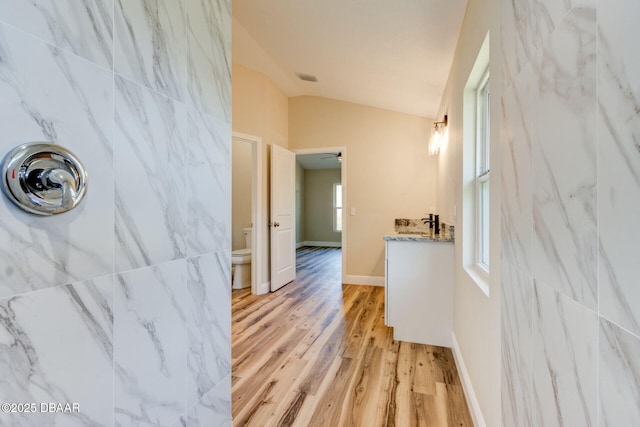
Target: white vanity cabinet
x,y
419,289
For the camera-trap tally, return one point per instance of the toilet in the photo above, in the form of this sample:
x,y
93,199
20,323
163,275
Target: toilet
x,y
241,262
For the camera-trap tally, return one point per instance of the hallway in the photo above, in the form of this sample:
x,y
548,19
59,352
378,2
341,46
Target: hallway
x,y
317,353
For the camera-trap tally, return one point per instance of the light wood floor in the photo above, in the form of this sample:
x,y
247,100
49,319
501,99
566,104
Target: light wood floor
x,y
317,353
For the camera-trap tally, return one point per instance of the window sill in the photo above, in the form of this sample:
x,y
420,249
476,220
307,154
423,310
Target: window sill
x,y
480,276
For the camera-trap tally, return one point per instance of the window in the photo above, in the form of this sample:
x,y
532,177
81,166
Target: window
x,y
482,172
476,130
337,207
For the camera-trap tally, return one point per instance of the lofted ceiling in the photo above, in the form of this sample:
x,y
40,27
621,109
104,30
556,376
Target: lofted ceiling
x,y
391,54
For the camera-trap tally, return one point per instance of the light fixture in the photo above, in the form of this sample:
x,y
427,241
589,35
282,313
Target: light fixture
x,y
438,136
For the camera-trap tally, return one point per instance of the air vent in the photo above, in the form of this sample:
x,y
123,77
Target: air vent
x,y
307,77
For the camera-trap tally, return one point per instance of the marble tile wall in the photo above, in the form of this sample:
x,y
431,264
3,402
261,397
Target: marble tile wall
x,y
123,304
570,197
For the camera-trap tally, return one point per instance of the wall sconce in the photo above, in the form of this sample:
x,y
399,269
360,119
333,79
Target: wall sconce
x,y
438,136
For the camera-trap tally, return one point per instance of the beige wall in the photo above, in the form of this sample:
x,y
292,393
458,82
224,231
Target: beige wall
x,y
477,317
389,172
318,205
299,203
259,107
241,186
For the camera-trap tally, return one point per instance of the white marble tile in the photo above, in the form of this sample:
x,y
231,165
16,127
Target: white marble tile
x,y
516,50
564,160
50,95
619,163
213,410
619,376
208,323
85,29
564,361
547,15
150,177
151,44
209,56
56,346
517,219
517,342
209,184
149,341
525,27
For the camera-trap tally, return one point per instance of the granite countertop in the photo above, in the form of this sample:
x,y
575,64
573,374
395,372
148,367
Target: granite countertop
x,y
418,237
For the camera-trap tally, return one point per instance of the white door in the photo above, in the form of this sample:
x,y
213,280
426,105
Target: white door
x,y
283,217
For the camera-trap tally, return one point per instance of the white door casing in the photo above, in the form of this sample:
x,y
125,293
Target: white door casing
x,y
259,214
283,217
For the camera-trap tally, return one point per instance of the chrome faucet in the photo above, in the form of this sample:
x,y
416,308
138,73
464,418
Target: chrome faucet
x,y
434,223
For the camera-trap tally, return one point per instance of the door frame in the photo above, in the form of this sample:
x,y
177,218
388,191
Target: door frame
x,y
259,213
345,189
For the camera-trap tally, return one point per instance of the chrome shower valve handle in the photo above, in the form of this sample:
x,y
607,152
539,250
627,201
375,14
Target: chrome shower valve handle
x,y
43,179
60,178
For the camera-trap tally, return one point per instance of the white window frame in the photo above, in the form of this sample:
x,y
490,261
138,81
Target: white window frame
x,y
482,173
337,207
473,170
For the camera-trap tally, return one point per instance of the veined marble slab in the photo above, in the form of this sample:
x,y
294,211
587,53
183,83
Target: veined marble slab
x,y
54,96
56,345
619,376
565,346
150,177
516,178
208,311
209,56
85,28
150,343
213,410
151,44
564,198
209,184
619,163
517,346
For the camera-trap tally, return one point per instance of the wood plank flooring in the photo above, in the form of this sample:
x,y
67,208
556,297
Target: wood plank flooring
x,y
317,353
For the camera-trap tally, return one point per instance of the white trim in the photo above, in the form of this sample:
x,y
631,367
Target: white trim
x,y
263,288
470,227
467,386
258,209
482,168
320,150
480,276
363,280
323,244
335,206
299,245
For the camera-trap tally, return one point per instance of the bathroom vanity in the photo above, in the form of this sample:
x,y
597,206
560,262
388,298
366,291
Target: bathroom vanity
x,y
419,288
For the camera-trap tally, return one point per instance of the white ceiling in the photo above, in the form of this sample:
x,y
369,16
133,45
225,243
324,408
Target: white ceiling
x,y
392,54
319,161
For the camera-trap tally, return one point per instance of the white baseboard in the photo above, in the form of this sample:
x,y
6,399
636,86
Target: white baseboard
x,y
322,244
467,386
263,288
363,280
299,245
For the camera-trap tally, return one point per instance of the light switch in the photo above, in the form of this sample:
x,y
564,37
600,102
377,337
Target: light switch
x,y
353,211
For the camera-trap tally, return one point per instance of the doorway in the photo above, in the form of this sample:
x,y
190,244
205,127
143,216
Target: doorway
x,y
250,211
321,199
